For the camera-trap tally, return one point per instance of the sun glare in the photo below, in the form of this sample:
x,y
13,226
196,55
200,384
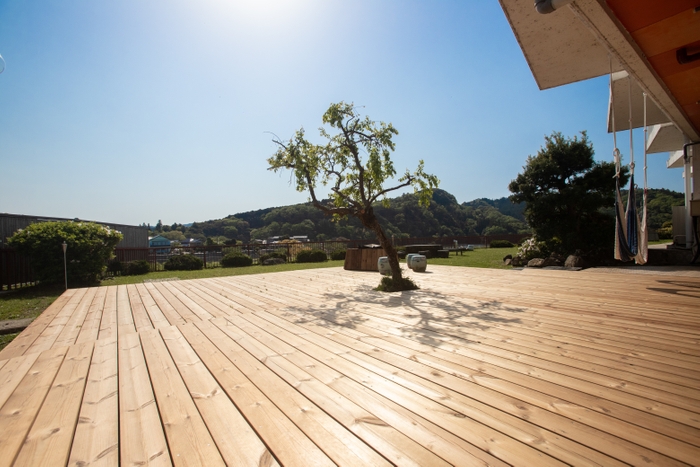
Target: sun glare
x,y
260,12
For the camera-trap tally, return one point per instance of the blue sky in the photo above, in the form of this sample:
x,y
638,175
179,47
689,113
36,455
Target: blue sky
x,y
132,111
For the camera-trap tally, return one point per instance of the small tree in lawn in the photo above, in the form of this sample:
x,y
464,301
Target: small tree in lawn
x,y
355,163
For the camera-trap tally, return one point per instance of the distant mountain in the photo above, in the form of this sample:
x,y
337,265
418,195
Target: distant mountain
x,y
402,218
503,205
660,202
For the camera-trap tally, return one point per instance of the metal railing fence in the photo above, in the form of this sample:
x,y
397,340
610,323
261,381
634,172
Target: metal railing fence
x,y
15,269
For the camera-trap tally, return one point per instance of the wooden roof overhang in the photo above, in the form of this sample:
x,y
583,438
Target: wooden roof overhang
x,y
590,38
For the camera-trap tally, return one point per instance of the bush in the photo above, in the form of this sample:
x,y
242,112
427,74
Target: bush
x,y
183,263
666,231
90,246
114,266
501,244
136,268
531,248
273,261
312,256
236,259
338,254
387,285
273,255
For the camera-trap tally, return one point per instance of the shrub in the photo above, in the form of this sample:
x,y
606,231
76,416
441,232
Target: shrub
x,y
531,248
114,266
276,255
312,256
137,268
273,261
183,263
90,246
387,285
338,254
501,244
666,231
236,259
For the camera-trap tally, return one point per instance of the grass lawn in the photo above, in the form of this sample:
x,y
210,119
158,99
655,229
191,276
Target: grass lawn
x,y
218,272
27,302
479,258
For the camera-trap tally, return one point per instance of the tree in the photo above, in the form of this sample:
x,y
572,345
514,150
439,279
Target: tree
x,y
566,194
174,235
355,162
90,246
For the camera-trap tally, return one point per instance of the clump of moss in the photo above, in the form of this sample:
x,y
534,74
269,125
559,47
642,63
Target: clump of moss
x,y
388,285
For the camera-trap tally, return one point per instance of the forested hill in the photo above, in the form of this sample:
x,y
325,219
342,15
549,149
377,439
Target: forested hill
x,y
403,218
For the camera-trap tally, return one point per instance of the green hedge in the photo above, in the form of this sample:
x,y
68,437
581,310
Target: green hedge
x,y
136,268
501,244
275,254
183,263
338,254
311,256
236,259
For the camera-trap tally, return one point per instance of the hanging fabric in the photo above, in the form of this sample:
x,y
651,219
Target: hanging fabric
x,y
631,237
643,252
631,211
622,251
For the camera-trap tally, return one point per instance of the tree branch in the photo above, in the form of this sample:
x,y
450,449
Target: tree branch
x,y
387,190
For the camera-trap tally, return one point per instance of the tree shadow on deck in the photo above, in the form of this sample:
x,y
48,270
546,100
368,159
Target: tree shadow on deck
x,y
429,317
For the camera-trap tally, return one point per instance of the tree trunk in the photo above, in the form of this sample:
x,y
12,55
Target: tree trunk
x,y
370,221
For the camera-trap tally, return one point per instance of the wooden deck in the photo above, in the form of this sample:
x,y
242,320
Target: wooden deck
x,y
479,367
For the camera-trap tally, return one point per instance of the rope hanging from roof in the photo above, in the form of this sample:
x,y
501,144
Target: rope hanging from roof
x,y
630,234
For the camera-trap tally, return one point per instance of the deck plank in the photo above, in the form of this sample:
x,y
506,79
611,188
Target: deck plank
x,y
51,436
138,309
108,323
235,438
382,407
286,441
19,411
141,437
96,440
51,332
90,329
188,437
12,373
314,367
343,447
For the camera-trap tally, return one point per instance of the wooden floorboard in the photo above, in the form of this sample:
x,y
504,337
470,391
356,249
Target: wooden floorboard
x,y
314,367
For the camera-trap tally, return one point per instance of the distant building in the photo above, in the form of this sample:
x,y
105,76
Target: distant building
x,y
191,242
161,243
